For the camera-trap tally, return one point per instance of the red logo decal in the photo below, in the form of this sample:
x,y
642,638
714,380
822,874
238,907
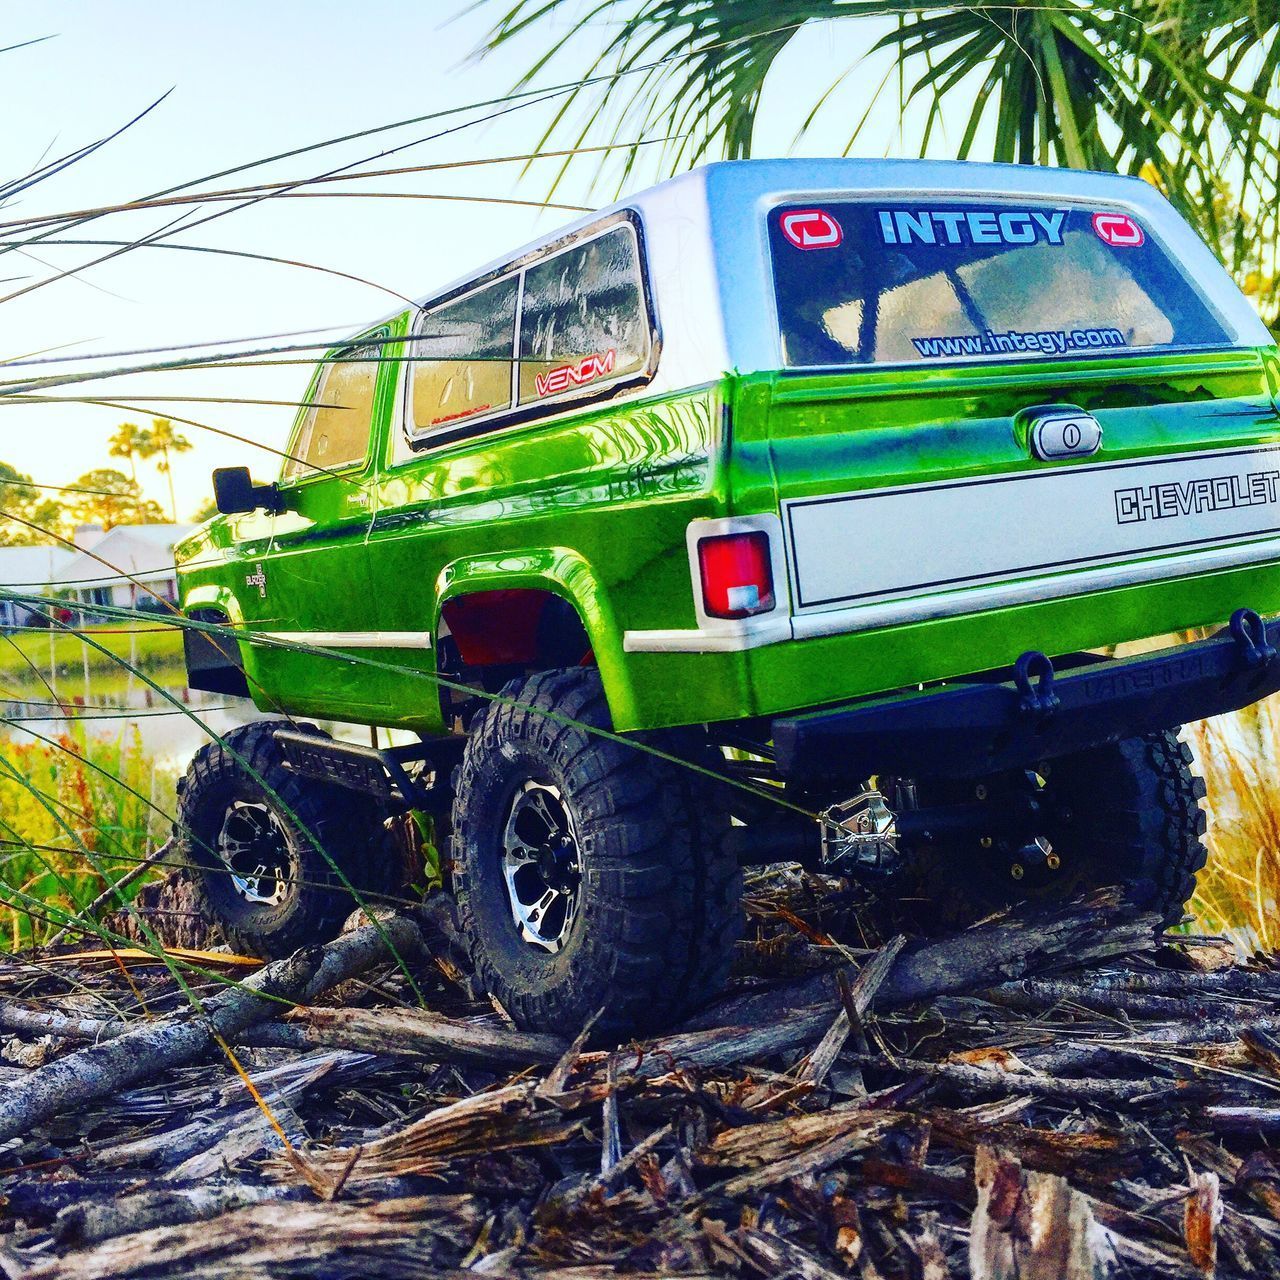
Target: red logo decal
x,y
574,375
1118,230
811,229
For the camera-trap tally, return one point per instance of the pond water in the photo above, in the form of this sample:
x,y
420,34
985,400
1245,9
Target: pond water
x,y
170,725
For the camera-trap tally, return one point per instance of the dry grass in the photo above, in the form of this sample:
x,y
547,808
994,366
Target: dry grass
x,y
1239,890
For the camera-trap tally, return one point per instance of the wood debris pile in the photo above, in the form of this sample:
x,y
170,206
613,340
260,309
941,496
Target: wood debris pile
x,y
1045,1096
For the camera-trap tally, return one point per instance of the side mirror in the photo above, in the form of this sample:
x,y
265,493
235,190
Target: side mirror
x,y
234,492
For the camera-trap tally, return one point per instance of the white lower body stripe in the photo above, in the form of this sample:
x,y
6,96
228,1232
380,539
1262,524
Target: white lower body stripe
x,y
348,639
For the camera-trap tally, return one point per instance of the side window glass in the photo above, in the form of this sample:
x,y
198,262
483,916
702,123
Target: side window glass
x,y
462,357
335,432
583,319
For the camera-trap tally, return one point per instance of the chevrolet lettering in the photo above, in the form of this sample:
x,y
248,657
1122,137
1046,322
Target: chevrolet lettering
x,y
1216,493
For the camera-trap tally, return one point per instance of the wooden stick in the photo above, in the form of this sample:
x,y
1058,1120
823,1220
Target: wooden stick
x,y
848,1021
1013,947
427,1035
104,1069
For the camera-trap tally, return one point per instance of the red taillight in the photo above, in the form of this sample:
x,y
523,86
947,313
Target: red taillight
x,y
737,576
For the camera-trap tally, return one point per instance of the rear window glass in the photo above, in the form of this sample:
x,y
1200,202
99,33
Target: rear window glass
x,y
462,354
897,282
583,319
335,431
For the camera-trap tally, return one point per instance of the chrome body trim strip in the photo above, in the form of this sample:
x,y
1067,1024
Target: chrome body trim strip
x,y
346,639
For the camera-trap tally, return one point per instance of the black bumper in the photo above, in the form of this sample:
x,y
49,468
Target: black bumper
x,y
974,728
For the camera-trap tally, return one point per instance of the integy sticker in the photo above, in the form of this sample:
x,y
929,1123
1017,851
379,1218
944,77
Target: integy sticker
x,y
1118,230
812,229
971,226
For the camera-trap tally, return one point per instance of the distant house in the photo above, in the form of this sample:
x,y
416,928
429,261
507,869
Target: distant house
x,y
27,571
125,567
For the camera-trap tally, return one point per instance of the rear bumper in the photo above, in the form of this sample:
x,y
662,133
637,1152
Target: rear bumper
x,y
970,729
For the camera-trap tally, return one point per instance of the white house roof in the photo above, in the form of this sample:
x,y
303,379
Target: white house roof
x,y
127,553
26,570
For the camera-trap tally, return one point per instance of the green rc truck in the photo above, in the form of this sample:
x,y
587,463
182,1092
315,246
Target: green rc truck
x,y
812,510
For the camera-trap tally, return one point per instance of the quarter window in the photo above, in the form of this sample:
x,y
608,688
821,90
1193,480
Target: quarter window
x,y
462,353
335,430
583,322
583,319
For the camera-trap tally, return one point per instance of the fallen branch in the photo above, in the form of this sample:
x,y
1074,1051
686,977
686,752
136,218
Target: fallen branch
x,y
106,1068
1006,949
411,1031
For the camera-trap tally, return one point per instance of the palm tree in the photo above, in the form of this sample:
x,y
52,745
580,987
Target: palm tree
x,y
1185,92
129,441
162,439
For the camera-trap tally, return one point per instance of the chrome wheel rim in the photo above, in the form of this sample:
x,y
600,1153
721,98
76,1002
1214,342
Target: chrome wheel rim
x,y
255,852
541,866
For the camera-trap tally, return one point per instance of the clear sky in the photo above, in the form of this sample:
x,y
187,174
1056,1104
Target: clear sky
x,y
250,80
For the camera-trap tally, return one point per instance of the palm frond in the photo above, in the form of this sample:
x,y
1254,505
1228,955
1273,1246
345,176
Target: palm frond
x,y
1186,92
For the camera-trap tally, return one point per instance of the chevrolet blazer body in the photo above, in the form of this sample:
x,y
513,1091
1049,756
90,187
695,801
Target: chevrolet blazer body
x,y
860,486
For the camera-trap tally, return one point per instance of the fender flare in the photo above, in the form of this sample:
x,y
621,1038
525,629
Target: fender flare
x,y
567,574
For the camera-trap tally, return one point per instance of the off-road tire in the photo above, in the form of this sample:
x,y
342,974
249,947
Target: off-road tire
x,y
1133,819
660,894
348,828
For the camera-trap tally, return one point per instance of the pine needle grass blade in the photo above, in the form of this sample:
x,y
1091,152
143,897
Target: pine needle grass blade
x,y
181,222
184,223
254,359
39,674
76,713
274,191
36,358
154,239
135,398
502,107
228,253
133,206
26,44
88,284
174,864
129,406
60,488
217,360
46,171
528,97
